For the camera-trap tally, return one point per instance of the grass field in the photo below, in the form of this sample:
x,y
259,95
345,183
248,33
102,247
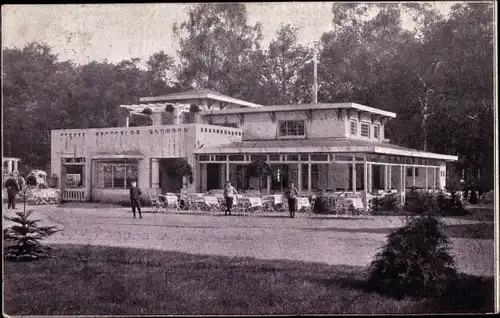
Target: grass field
x,y
91,280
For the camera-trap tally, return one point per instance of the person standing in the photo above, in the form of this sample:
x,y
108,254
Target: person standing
x,y
229,194
292,199
12,189
135,195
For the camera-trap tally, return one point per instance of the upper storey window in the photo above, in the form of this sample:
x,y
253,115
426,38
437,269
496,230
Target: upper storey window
x,y
354,127
365,129
295,128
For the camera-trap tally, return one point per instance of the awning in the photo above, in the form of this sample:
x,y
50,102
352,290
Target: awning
x,y
323,145
123,155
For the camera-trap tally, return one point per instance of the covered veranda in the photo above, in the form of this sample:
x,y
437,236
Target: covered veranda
x,y
347,166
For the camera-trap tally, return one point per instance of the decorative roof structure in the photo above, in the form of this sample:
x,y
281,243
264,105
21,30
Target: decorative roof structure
x,y
199,94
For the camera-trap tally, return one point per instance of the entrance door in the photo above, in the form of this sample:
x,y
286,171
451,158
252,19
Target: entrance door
x,y
213,176
376,170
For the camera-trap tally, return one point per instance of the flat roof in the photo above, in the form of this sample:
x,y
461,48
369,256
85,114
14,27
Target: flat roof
x,y
320,145
294,107
199,94
155,107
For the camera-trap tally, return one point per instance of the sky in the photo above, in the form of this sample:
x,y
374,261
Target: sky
x,y
82,33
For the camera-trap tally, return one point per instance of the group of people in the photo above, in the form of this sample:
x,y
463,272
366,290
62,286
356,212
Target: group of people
x,y
229,195
291,193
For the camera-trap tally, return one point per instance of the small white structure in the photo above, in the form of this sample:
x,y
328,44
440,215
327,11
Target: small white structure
x,y
10,165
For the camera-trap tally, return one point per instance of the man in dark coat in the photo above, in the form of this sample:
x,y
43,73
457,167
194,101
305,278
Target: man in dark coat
x,y
292,194
135,195
12,189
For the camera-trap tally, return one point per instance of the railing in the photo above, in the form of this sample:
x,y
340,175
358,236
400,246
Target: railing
x,y
73,195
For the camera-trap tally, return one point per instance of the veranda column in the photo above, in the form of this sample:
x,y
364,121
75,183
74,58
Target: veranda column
x,y
426,178
353,174
299,172
389,178
370,178
268,185
434,181
401,182
127,121
385,177
227,172
309,179
365,185
9,165
414,177
155,173
16,167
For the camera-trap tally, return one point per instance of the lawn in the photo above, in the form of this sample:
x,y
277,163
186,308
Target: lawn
x,y
91,280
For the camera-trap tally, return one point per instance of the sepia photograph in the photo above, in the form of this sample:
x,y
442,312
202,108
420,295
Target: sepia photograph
x,y
250,158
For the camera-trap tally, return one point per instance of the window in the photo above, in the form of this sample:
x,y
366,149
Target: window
x,y
291,128
376,131
365,129
409,172
354,127
74,176
116,175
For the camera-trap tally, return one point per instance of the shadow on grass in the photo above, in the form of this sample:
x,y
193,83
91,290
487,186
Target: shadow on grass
x,y
468,294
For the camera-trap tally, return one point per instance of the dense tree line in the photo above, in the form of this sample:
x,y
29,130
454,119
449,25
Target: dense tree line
x,y
437,77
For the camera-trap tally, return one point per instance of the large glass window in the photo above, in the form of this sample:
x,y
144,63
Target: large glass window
x,y
292,128
74,176
354,127
116,174
365,129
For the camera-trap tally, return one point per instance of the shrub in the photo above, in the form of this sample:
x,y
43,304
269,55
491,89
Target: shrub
x,y
169,108
415,261
194,108
389,202
26,236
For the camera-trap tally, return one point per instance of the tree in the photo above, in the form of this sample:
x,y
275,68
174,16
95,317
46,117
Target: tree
x,y
215,44
259,168
284,60
179,167
25,236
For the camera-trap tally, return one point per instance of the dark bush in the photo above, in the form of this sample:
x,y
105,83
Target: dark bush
x,y
194,108
390,202
415,261
324,204
424,202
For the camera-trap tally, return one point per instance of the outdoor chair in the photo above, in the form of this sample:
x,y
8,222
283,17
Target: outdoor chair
x,y
343,206
213,204
268,204
255,204
242,204
158,204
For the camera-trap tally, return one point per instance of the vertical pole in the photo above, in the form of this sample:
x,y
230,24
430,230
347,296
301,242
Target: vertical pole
x,y
354,174
315,88
9,166
127,121
365,185
227,171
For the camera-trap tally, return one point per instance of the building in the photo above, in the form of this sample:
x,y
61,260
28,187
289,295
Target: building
x,y
329,147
